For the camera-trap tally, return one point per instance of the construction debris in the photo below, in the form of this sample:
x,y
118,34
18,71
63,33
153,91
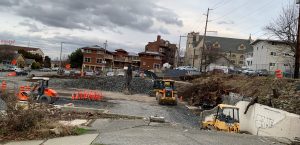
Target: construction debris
x,y
279,93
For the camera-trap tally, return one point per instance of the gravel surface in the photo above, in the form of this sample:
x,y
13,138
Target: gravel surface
x,y
115,84
2,105
175,114
137,132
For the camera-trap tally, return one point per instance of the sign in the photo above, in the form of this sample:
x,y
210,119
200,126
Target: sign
x,y
14,62
9,42
68,66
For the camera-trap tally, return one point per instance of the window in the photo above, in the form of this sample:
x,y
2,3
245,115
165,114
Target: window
x,y
241,47
272,64
156,65
273,53
256,48
156,57
233,56
88,51
242,57
232,61
160,50
99,60
87,59
286,54
274,43
286,64
241,62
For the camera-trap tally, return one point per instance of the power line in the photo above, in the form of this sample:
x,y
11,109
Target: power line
x,y
230,12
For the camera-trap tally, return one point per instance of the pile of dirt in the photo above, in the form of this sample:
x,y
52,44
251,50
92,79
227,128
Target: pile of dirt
x,y
114,84
283,93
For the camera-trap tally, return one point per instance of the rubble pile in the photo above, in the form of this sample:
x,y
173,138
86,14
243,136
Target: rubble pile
x,y
115,84
203,93
283,93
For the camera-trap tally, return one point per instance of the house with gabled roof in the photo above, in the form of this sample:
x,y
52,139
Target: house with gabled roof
x,y
232,51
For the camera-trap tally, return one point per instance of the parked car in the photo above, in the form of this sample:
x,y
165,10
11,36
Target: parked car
x,y
12,68
121,73
45,69
110,73
89,73
249,72
55,69
188,68
66,72
262,72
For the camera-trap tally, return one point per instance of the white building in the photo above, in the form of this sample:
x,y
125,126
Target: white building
x,y
272,55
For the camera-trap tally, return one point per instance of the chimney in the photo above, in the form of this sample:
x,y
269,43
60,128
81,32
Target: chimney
x,y
158,38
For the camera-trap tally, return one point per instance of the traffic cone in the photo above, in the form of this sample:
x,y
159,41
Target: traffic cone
x,y
73,96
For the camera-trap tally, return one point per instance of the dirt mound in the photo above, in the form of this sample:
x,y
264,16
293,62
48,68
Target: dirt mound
x,y
284,93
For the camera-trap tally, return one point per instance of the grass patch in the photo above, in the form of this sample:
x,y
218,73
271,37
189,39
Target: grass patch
x,y
80,131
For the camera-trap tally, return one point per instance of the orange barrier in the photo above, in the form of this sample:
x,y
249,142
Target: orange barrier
x,y
3,86
278,74
12,74
87,95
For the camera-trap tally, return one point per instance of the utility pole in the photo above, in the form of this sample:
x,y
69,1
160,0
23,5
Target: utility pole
x,y
105,45
201,60
297,55
60,63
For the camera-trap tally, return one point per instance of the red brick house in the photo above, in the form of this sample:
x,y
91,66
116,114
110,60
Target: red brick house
x,y
96,58
157,53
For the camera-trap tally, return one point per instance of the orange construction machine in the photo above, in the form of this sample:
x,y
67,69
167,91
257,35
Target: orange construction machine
x,y
39,91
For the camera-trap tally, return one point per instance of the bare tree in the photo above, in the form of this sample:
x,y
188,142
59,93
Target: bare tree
x,y
285,29
285,26
211,55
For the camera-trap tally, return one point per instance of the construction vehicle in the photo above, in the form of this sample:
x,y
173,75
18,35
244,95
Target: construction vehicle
x,y
222,118
39,92
165,92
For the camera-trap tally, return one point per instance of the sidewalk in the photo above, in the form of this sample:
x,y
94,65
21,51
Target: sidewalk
x,y
85,139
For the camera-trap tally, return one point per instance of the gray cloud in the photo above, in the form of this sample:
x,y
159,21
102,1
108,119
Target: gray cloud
x,y
229,22
32,27
111,14
51,46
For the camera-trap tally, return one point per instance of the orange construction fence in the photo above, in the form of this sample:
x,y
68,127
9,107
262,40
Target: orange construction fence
x,y
3,86
87,95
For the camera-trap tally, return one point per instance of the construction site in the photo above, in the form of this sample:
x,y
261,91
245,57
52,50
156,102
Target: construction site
x,y
109,110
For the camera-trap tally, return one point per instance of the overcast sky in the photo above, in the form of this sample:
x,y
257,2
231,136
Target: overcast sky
x,y
129,24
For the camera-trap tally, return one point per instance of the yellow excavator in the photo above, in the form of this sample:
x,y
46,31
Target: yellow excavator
x,y
222,118
165,92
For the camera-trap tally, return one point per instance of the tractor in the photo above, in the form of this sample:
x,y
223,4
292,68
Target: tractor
x,y
165,92
39,92
222,118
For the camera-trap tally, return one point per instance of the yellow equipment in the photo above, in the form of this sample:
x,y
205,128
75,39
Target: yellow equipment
x,y
165,92
223,118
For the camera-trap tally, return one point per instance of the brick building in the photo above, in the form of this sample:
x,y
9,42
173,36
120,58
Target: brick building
x,y
96,58
157,53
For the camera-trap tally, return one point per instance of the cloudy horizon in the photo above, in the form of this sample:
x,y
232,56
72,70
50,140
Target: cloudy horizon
x,y
129,24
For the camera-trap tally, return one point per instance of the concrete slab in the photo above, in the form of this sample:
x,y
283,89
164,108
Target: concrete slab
x,y
85,139
31,142
75,122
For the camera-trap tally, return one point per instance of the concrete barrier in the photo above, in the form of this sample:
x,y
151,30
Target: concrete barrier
x,y
266,121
